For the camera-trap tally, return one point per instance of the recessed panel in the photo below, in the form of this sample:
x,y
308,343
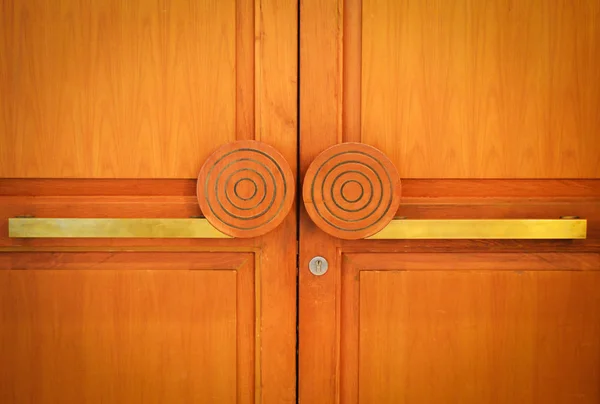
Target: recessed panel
x,y
134,336
115,89
479,337
483,89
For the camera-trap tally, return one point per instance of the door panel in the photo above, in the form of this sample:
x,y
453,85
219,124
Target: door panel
x,y
484,89
121,89
109,110
128,327
485,109
522,328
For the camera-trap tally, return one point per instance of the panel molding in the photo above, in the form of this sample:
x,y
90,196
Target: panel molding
x,y
472,261
347,290
246,266
117,260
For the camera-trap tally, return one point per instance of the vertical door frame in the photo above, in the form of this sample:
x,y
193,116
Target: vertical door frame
x,y
322,124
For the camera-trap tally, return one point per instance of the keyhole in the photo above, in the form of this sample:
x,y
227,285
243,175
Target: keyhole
x,y
318,266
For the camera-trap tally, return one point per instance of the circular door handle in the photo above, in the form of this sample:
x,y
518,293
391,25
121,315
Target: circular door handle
x,y
351,190
245,188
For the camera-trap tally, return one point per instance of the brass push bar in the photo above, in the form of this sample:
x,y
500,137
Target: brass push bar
x,y
554,229
112,228
397,229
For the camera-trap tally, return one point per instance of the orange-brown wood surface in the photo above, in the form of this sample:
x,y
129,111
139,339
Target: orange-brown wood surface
x,y
110,109
481,89
557,292
111,328
454,333
320,128
474,328
118,89
489,92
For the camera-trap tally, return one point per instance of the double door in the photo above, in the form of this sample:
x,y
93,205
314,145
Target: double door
x,y
331,201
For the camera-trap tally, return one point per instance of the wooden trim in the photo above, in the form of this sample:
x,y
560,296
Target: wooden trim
x,y
244,70
248,324
111,228
352,71
96,187
474,246
57,249
501,188
349,313
118,260
411,188
468,261
321,94
536,229
276,115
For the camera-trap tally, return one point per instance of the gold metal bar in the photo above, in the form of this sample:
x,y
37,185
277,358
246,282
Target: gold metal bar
x,y
112,228
554,229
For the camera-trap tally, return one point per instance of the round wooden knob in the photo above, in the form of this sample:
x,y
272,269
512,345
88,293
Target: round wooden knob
x,y
351,190
245,188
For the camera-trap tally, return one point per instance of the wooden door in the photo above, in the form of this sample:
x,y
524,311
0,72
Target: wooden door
x,y
487,110
109,109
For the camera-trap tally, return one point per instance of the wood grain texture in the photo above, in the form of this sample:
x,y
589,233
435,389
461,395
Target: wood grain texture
x,y
234,67
107,333
500,188
418,188
245,127
351,191
474,328
276,120
321,28
479,337
464,110
474,261
116,89
89,260
351,71
246,188
97,187
484,89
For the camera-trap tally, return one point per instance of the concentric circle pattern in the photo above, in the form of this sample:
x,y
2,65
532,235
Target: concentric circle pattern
x,y
245,188
351,191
